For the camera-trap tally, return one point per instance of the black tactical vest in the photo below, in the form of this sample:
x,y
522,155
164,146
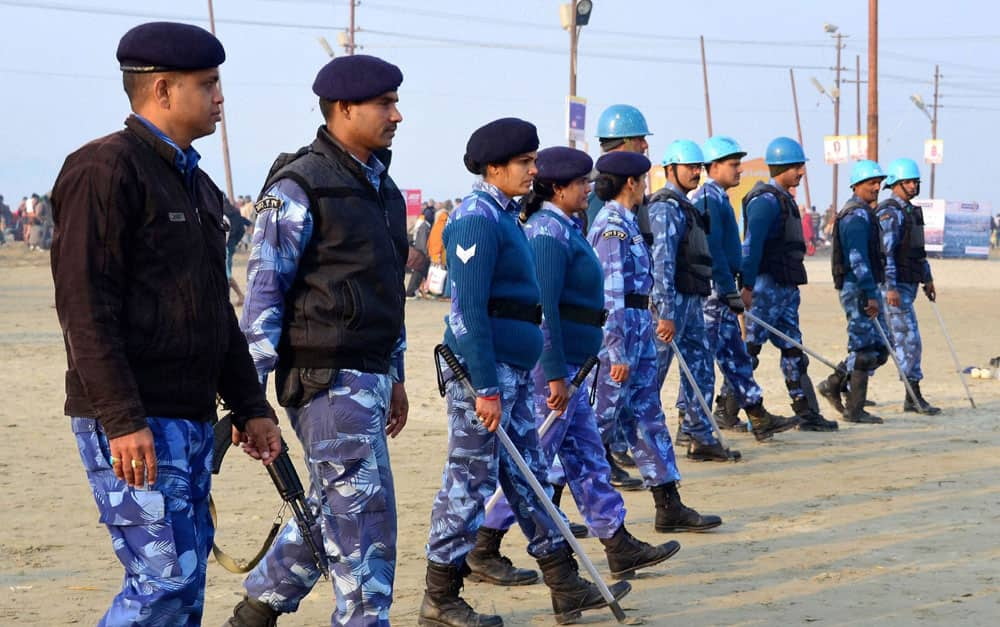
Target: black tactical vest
x,y
783,255
910,254
693,274
345,307
841,266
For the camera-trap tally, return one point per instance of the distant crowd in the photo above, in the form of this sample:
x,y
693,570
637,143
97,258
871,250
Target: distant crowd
x,y
30,223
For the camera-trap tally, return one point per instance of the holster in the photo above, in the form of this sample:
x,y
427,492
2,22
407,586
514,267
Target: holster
x,y
296,386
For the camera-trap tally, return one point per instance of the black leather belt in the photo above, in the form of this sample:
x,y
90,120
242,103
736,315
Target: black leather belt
x,y
583,315
513,310
637,301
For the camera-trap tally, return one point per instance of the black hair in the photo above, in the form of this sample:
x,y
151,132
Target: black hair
x,y
775,170
540,191
608,186
135,83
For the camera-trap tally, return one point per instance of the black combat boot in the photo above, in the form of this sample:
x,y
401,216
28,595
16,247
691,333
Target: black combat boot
x,y
579,531
919,404
682,438
810,419
727,413
672,515
855,408
765,424
833,386
572,594
619,478
715,452
443,607
252,613
626,553
489,565
623,459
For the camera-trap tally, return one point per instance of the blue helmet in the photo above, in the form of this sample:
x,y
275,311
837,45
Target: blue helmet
x,y
683,151
720,147
902,170
784,151
865,170
621,121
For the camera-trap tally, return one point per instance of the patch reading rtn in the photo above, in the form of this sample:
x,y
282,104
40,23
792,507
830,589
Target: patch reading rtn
x,y
615,233
266,203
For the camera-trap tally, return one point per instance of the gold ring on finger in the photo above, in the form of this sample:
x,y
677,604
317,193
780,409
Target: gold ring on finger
x,y
137,463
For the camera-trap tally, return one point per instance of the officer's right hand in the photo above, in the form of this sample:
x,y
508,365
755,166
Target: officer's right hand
x,y
619,372
892,297
488,410
747,295
871,308
665,330
558,395
137,446
261,439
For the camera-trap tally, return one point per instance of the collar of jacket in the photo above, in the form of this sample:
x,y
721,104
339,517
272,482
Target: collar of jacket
x,y
162,148
326,145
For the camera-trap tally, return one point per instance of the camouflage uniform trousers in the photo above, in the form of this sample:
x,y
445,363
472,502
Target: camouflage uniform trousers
x,y
692,340
343,434
576,440
644,426
862,335
778,305
162,535
477,462
905,331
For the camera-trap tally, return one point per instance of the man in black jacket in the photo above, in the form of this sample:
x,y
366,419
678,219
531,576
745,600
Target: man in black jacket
x,y
324,311
138,259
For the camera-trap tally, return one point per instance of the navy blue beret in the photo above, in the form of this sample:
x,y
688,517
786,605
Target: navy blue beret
x,y
356,78
169,46
623,163
498,141
561,164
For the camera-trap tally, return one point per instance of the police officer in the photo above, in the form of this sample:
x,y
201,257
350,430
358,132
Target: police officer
x,y
682,278
138,261
857,272
628,376
906,267
572,293
493,329
772,270
324,311
722,163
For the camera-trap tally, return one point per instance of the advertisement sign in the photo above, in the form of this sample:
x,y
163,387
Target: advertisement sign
x,y
752,171
956,228
934,151
414,201
835,149
576,118
857,147
933,224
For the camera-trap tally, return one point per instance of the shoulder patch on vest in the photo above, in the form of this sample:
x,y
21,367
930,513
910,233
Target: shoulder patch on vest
x,y
267,203
885,216
615,233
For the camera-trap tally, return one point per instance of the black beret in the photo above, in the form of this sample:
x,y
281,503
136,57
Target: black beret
x,y
356,78
561,164
498,141
623,163
169,46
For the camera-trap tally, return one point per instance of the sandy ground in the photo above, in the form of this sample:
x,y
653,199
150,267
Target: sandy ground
x,y
896,524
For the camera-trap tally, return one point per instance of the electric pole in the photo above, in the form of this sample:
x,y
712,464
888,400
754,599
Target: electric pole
x,y
222,122
574,38
873,80
857,91
798,127
934,120
836,112
704,74
350,30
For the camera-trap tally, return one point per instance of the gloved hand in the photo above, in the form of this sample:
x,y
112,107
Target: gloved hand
x,y
734,301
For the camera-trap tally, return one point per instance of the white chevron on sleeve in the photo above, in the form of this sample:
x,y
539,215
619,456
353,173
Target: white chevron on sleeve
x,y
465,254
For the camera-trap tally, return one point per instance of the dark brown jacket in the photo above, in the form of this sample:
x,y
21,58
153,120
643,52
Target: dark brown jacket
x,y
138,260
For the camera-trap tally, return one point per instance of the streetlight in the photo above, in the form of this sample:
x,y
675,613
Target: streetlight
x,y
573,16
834,95
326,47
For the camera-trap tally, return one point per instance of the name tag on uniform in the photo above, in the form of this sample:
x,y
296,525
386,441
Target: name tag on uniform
x,y
266,203
177,216
615,233
637,239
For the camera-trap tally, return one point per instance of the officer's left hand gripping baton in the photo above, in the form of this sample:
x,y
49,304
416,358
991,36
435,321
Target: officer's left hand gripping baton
x,y
574,385
892,353
954,355
799,345
460,374
289,487
697,392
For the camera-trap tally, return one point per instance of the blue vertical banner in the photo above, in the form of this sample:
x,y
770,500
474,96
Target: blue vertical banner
x,y
576,119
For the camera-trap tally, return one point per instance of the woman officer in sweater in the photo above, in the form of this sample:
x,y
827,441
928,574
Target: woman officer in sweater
x,y
572,293
493,329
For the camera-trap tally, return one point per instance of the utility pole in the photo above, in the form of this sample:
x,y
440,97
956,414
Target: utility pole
x,y
574,38
873,80
222,122
934,120
798,127
836,112
704,74
857,91
350,30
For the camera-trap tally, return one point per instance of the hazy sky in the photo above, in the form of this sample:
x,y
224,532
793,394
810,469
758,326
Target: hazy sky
x,y
465,64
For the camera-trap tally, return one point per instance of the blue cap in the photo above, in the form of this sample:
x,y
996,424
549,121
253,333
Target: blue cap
x,y
169,47
865,170
719,147
561,164
620,121
356,78
498,141
784,151
623,163
683,152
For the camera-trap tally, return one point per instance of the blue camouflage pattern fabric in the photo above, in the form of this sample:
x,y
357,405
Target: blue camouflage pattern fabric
x,y
574,437
477,463
778,305
902,319
862,334
161,535
687,313
352,494
859,285
628,339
